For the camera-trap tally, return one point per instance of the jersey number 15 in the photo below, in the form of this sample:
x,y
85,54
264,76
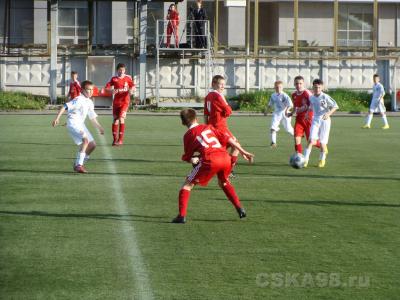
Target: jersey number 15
x,y
207,139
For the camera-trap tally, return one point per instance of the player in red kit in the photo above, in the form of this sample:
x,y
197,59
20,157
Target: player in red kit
x,y
173,23
301,103
213,159
74,86
217,110
122,88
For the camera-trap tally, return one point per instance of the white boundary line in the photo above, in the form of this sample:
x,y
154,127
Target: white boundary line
x,y
138,269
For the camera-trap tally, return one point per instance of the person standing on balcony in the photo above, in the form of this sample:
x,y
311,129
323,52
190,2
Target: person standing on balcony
x,y
173,24
199,16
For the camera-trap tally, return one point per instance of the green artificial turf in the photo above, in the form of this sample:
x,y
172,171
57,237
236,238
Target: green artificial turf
x,y
331,233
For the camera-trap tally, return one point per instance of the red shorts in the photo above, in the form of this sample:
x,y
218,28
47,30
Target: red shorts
x,y
219,164
302,128
120,110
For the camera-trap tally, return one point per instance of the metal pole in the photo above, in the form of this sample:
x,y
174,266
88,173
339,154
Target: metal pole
x,y
216,20
248,10
143,51
335,25
158,61
53,50
90,27
375,33
256,12
295,29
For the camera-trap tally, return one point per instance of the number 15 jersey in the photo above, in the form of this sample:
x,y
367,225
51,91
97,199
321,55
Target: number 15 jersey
x,y
205,140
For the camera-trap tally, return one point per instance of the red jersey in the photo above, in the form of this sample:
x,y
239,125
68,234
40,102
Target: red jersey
x,y
302,102
121,85
74,90
205,140
217,109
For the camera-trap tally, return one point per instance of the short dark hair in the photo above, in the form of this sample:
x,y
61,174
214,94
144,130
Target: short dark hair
x,y
188,115
376,75
74,73
86,83
318,81
299,77
217,78
120,65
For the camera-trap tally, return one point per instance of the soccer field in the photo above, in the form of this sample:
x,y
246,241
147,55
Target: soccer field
x,y
331,233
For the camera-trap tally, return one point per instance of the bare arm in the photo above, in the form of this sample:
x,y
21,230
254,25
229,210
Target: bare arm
x,y
56,121
246,155
97,125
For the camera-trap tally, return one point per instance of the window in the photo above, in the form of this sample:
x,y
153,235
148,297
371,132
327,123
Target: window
x,y
73,18
355,25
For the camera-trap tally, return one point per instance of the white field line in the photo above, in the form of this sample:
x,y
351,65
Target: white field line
x,y
138,269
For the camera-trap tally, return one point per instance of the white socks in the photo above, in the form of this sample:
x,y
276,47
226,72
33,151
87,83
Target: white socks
x,y
322,155
385,121
80,157
273,136
307,153
369,119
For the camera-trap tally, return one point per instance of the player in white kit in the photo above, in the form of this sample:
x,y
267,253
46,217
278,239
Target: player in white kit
x,y
323,107
280,102
377,104
78,109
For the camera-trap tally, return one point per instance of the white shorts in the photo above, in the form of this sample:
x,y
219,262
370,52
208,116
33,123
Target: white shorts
x,y
280,117
377,106
320,130
78,133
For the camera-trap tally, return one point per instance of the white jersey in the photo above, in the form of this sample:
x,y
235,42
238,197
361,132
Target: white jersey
x,y
378,91
280,102
78,109
321,104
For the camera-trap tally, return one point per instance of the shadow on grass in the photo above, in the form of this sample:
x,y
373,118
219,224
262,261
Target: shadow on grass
x,y
126,160
321,203
90,173
118,217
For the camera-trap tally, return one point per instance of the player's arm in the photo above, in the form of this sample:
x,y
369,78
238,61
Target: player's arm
x,y
206,111
188,149
268,108
97,125
93,118
206,119
109,87
56,121
382,94
223,106
246,155
332,105
131,86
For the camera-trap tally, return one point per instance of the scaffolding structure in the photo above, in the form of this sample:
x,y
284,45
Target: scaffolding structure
x,y
188,50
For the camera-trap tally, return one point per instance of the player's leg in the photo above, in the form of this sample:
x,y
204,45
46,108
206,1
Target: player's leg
x,y
184,196
373,106
324,131
307,132
298,134
91,144
314,136
276,119
175,28
80,157
382,110
287,124
115,125
229,190
122,117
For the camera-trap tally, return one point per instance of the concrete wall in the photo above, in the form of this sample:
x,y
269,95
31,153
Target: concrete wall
x,y
185,78
387,25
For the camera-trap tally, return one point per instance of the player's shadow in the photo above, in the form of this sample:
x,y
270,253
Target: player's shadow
x,y
72,173
345,177
39,144
108,216
321,203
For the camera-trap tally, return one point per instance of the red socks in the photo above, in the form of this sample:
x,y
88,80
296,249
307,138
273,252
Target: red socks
x,y
231,194
184,196
318,144
298,148
233,161
114,131
121,132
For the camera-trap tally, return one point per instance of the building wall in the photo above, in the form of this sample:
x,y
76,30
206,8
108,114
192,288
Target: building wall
x,y
387,25
185,78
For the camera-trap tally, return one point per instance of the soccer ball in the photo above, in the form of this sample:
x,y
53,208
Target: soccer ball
x,y
297,160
